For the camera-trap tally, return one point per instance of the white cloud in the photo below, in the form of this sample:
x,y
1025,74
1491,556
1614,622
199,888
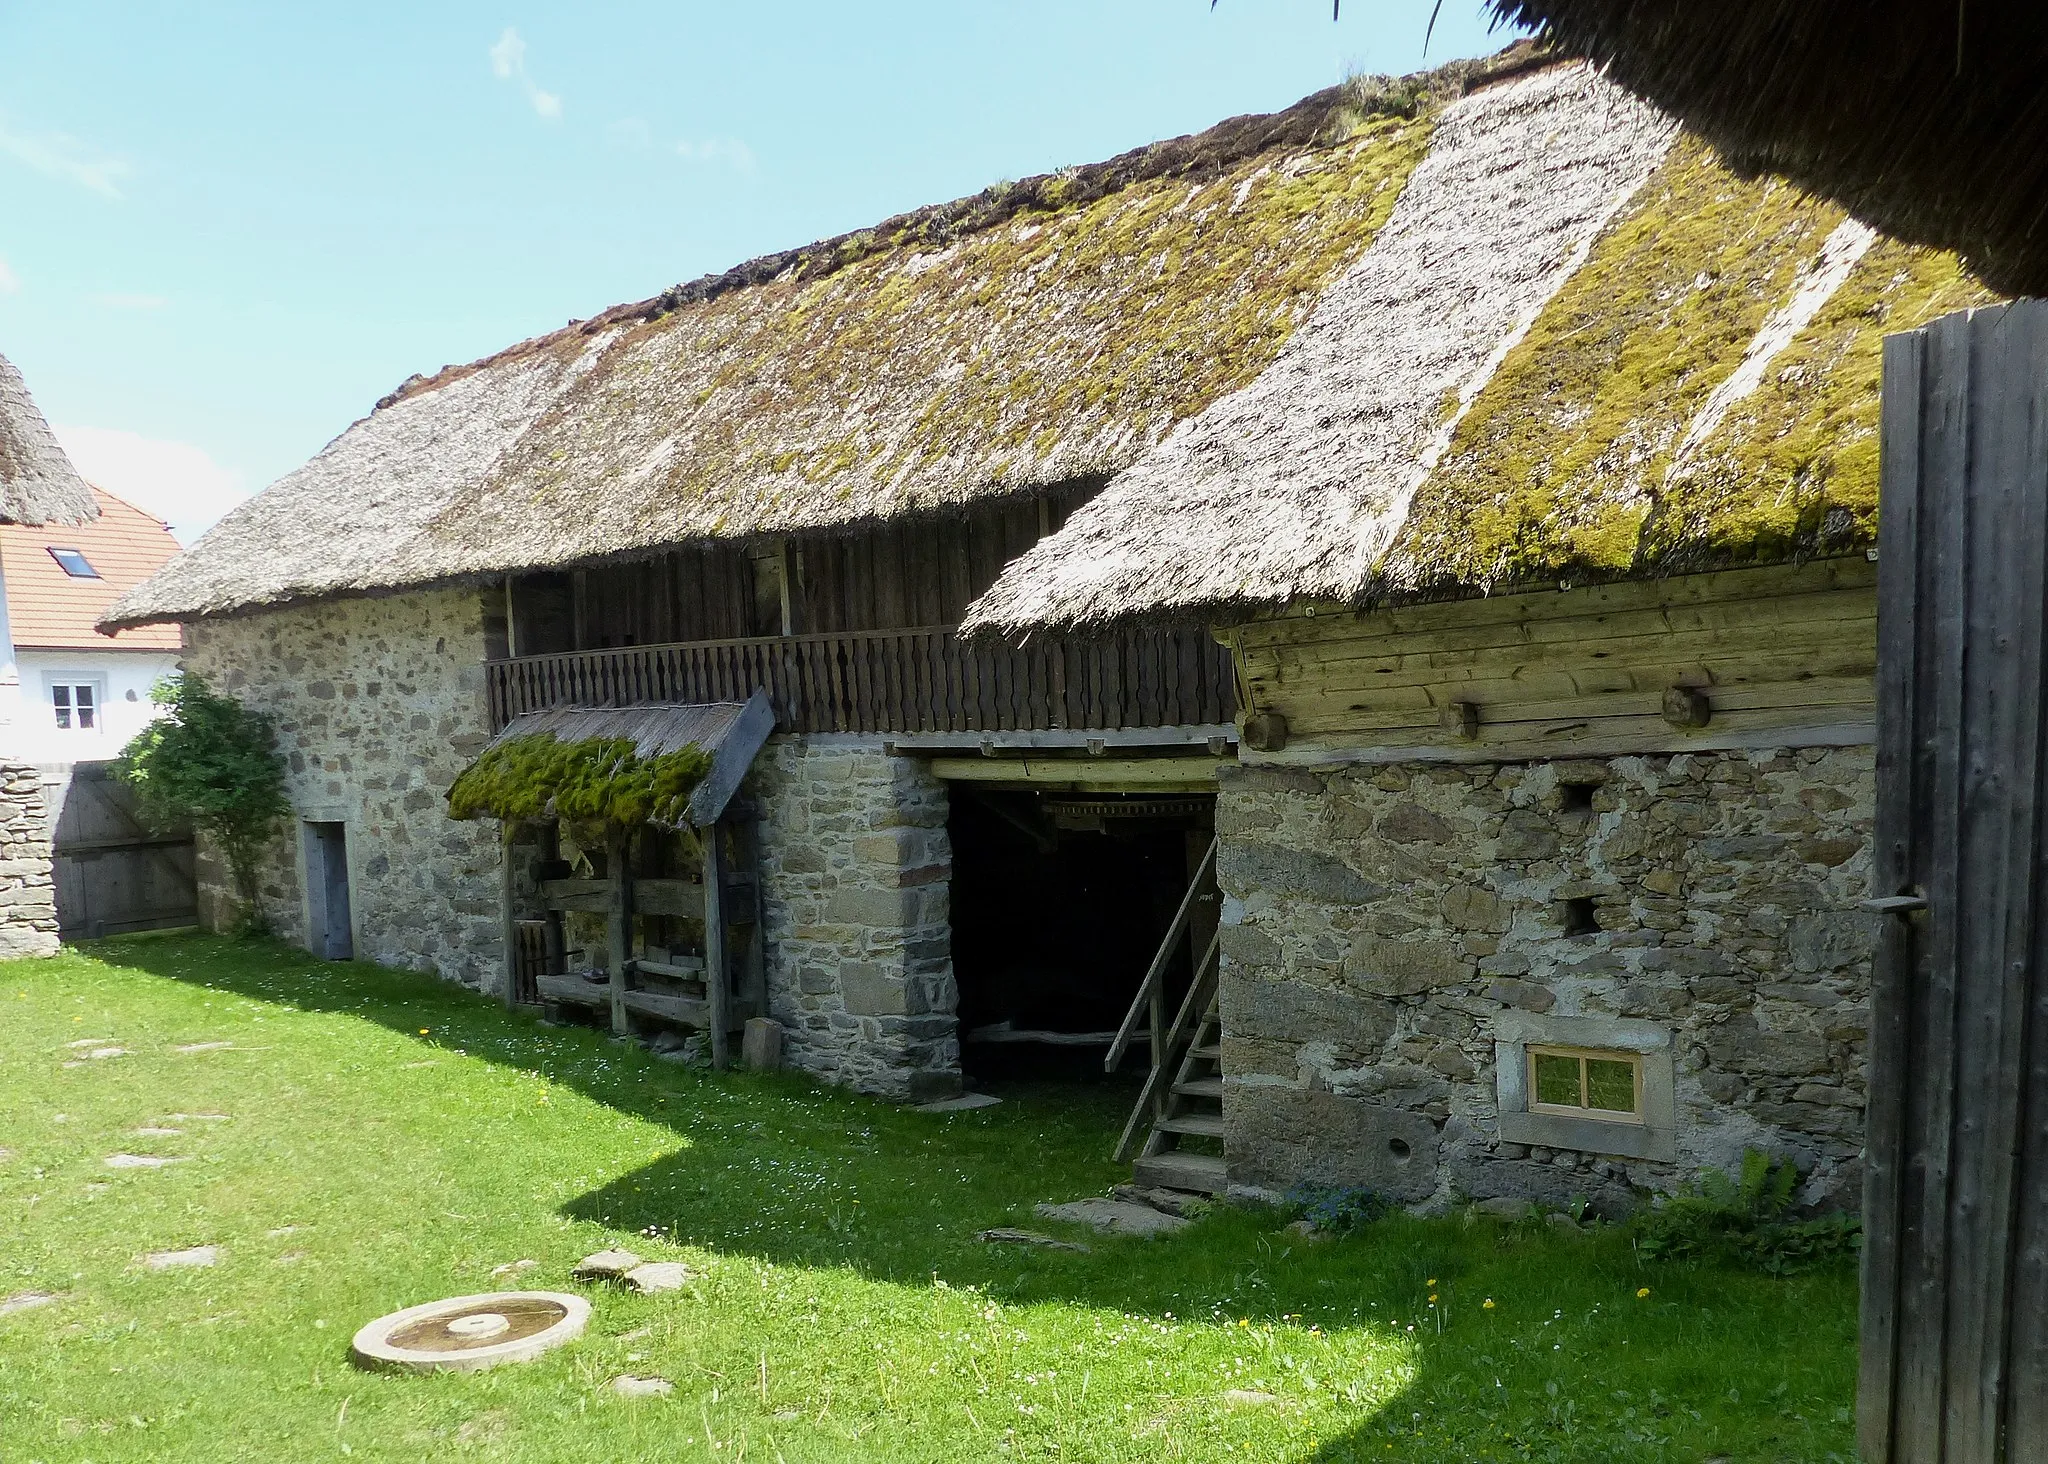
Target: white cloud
x,y
508,63
176,481
61,156
9,280
719,151
120,300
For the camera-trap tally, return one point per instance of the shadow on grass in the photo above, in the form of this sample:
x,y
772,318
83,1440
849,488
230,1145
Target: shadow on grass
x,y
777,1167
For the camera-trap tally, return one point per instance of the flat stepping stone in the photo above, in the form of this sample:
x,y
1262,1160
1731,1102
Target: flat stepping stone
x,y
141,1161
25,1301
1166,1201
655,1277
1011,1235
1249,1397
153,1132
1114,1217
90,1042
512,1268
628,1386
965,1103
198,1255
606,1265
199,1118
203,1047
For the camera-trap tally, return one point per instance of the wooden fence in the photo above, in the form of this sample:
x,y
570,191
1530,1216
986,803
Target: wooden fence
x,y
113,873
1955,1265
922,680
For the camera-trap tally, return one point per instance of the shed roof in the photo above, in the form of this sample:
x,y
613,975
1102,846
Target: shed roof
x,y
1036,333
1581,348
1923,117
38,484
50,609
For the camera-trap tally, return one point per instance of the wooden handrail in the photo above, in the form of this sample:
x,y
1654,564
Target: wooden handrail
x,y
915,679
1155,974
1166,1053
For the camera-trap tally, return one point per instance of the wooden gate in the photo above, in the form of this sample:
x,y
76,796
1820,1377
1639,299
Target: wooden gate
x,y
1955,1267
112,873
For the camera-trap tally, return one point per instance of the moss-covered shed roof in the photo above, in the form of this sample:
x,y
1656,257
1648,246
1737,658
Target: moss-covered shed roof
x,y
1036,333
1581,348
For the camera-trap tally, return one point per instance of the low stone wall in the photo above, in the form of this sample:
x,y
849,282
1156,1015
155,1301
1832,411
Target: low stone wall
x,y
856,868
28,897
379,703
1391,934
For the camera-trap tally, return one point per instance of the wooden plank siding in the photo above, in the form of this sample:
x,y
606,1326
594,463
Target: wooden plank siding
x,y
1583,669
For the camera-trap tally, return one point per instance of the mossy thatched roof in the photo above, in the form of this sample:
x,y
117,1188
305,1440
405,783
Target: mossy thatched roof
x,y
38,484
1581,348
1923,117
1034,334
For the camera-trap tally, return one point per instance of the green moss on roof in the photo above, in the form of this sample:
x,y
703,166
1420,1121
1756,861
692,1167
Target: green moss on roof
x,y
1793,468
1554,468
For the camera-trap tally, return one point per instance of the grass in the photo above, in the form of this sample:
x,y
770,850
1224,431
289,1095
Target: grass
x,y
389,1140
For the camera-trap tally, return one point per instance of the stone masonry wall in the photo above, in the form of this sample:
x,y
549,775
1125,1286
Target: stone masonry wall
x,y
856,871
1382,925
28,896
379,703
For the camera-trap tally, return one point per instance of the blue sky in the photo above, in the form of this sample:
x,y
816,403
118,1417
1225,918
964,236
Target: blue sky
x,y
227,229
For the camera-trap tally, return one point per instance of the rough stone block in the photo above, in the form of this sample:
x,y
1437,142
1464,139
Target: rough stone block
x,y
761,1044
1387,967
1290,872
871,991
1281,1137
1292,1012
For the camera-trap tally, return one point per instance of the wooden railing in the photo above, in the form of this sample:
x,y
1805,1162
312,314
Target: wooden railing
x,y
923,680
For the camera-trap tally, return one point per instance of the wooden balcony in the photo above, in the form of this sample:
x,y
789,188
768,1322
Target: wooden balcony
x,y
908,681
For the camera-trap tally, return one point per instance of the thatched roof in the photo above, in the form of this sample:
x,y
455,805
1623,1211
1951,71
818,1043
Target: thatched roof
x,y
38,485
1037,333
1928,120
1581,348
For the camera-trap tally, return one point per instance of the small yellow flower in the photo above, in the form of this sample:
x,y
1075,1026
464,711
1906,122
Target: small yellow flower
x,y
1642,1292
1487,1305
1432,1298
1430,1282
423,1031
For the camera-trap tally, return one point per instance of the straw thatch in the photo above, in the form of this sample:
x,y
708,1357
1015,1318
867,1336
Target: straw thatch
x,y
1038,333
1928,120
38,485
1581,348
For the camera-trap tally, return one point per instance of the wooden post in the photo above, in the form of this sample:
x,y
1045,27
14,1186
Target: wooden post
x,y
557,943
717,981
619,926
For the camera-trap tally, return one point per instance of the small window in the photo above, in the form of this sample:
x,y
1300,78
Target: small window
x,y
1580,917
1574,1082
77,705
74,564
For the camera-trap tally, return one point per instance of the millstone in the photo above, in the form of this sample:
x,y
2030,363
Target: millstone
x,y
465,1333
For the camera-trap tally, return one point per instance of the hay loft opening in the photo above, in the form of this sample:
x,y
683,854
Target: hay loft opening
x,y
1060,901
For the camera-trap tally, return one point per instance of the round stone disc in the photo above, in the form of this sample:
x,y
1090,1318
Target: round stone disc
x,y
465,1333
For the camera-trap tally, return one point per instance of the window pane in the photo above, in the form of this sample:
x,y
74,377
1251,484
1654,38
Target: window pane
x,y
1611,1085
60,698
82,698
1557,1079
74,563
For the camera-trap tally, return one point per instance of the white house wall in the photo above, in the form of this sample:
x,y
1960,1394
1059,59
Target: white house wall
x,y
123,678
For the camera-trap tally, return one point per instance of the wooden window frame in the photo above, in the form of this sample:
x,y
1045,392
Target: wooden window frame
x,y
1585,1108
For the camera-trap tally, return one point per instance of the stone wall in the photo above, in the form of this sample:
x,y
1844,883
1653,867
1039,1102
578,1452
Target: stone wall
x,y
379,703
28,898
856,870
1390,931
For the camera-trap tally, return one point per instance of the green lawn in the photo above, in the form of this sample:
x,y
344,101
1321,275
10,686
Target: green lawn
x,y
389,1140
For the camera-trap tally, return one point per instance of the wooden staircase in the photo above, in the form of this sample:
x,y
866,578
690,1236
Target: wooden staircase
x,y
1183,1094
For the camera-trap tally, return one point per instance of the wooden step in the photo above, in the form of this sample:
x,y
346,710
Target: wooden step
x,y
1210,1053
1200,1087
1200,1174
1205,1125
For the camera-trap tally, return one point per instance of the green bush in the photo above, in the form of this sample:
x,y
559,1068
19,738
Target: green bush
x,y
1746,1220
599,783
211,762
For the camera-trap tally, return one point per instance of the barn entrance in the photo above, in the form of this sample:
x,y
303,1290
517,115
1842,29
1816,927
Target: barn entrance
x,y
1059,903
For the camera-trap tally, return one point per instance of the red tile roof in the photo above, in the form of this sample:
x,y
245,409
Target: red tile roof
x,y
52,610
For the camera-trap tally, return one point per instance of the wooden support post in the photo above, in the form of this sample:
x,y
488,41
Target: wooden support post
x,y
557,942
717,978
508,924
754,958
619,925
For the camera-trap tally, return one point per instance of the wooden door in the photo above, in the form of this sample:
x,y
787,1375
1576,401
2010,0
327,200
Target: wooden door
x,y
1955,1269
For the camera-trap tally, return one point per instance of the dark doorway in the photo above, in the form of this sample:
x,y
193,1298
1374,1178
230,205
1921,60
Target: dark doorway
x,y
1059,905
328,931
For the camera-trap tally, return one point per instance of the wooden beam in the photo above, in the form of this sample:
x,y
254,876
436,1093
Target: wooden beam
x,y
619,926
717,977
1095,772
509,922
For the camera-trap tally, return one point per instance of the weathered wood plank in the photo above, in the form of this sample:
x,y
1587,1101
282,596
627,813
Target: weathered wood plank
x,y
717,967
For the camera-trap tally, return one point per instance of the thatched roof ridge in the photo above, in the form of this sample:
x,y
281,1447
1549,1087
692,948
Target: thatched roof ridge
x,y
38,484
1028,337
1928,120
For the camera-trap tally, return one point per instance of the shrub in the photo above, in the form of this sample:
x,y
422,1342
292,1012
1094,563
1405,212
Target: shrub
x,y
1747,1220
211,762
1337,1210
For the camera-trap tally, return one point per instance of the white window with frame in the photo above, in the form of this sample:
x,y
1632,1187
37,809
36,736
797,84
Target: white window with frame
x,y
75,703
1597,1085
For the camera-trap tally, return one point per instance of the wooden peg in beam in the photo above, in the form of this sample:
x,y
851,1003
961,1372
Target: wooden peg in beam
x,y
1461,720
1687,706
